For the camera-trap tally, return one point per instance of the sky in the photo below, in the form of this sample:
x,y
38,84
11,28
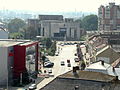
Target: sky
x,y
55,5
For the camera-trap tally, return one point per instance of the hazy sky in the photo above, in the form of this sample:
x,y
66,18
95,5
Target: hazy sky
x,y
55,5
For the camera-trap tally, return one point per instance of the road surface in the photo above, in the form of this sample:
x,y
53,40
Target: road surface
x,y
65,52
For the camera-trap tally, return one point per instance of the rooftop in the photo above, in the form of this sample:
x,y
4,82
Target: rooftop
x,y
108,69
98,65
102,50
12,42
88,75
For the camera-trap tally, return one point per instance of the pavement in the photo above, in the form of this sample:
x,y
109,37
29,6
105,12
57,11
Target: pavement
x,y
38,80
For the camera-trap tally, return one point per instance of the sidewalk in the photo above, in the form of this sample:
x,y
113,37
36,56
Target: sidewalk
x,y
37,81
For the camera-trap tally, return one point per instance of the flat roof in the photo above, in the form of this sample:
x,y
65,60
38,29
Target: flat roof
x,y
88,75
98,65
12,42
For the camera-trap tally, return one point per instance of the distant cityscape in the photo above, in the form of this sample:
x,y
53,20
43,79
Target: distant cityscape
x,y
10,14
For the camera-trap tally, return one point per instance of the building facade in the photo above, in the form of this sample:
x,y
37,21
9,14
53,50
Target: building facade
x,y
56,27
109,17
15,66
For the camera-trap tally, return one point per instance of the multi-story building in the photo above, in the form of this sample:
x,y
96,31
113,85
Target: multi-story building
x,y
109,17
56,27
16,64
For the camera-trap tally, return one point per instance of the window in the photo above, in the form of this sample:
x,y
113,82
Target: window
x,y
62,32
43,32
70,32
39,31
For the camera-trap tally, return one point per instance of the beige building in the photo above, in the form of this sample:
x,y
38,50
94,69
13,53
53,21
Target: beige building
x,y
109,17
56,27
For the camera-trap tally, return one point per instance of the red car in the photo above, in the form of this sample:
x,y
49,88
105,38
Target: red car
x,y
68,61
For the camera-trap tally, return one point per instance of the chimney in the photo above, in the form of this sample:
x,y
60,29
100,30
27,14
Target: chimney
x,y
102,62
113,69
75,69
116,77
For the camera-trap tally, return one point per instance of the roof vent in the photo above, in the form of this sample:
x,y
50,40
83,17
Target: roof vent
x,y
113,69
102,62
75,68
116,77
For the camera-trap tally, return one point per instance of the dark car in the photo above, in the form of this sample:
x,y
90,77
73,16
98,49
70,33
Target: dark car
x,y
76,59
62,63
68,61
69,65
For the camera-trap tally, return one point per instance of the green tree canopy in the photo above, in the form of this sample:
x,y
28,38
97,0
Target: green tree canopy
x,y
15,25
90,22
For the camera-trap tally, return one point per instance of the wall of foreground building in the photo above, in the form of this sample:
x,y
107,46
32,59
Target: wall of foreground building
x,y
3,66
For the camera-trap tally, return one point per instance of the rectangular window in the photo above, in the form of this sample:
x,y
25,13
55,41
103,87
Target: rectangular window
x,y
43,32
56,34
70,32
62,32
39,31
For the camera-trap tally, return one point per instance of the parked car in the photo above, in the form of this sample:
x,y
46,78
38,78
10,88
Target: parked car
x,y
56,54
62,63
50,70
76,59
69,65
62,44
68,61
48,64
32,87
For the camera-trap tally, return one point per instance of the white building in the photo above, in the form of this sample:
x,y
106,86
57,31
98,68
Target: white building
x,y
3,33
105,68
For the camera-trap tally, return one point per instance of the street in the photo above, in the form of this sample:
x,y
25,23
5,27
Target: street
x,y
65,52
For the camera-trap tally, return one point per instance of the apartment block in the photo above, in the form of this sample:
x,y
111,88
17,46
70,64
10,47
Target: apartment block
x,y
109,17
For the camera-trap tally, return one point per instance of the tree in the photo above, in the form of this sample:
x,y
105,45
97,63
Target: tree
x,y
90,22
15,25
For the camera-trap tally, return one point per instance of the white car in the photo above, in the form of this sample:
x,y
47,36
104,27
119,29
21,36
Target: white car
x,y
49,70
32,86
62,63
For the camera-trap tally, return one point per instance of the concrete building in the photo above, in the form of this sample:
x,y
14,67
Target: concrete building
x,y
109,17
15,65
56,27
